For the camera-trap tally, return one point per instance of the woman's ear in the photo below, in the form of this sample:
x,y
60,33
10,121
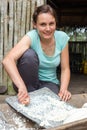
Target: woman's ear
x,y
34,25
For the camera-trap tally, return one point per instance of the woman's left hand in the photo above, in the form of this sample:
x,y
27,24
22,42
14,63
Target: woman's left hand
x,y
64,94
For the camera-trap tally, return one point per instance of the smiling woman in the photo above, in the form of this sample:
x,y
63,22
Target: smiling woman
x,y
46,25
36,68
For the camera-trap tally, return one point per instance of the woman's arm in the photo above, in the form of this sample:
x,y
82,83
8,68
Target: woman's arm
x,y
9,63
65,75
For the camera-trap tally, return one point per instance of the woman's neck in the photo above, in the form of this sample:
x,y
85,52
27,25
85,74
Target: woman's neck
x,y
48,46
47,41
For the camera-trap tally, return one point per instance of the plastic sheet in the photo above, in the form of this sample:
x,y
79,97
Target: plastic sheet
x,y
45,108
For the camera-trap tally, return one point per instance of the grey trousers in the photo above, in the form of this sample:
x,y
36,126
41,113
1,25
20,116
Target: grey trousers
x,y
28,66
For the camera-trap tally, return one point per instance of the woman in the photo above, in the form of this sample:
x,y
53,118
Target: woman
x,y
38,54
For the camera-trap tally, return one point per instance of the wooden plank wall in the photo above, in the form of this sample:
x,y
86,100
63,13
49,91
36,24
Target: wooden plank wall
x,y
15,21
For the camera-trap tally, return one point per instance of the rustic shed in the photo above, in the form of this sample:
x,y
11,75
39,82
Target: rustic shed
x,y
72,18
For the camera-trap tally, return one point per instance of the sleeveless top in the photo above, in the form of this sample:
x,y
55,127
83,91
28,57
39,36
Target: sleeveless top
x,y
48,64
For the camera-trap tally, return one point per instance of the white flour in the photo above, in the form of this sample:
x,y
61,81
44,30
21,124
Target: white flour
x,y
18,122
47,110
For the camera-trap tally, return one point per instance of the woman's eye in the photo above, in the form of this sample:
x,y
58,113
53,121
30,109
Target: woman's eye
x,y
43,24
51,24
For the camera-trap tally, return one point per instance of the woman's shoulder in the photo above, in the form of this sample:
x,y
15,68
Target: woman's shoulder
x,y
33,31
61,36
61,39
60,33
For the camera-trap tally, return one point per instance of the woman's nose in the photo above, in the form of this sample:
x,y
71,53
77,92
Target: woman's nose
x,y
47,27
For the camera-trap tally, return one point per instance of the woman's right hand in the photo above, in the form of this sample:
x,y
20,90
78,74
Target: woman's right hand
x,y
23,96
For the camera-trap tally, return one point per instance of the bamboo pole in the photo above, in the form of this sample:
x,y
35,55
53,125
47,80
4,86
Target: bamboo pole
x,y
32,7
5,5
11,22
23,17
15,22
44,1
19,15
39,2
10,37
28,16
1,39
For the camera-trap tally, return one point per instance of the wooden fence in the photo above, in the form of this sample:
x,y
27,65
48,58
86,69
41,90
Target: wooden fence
x,y
15,21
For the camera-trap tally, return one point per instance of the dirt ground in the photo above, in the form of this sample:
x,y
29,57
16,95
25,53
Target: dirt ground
x,y
78,84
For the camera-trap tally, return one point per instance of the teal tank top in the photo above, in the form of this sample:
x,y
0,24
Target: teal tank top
x,y
48,64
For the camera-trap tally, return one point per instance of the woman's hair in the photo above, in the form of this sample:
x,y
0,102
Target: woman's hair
x,y
44,9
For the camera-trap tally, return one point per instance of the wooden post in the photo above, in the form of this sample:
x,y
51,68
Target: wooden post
x,y
23,17
1,39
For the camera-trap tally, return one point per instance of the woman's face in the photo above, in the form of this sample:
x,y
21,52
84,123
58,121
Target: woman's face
x,y
45,25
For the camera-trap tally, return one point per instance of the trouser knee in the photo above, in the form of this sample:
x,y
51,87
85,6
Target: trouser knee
x,y
29,57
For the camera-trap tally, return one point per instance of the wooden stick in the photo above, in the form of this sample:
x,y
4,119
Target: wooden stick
x,y
28,16
23,17
4,34
1,39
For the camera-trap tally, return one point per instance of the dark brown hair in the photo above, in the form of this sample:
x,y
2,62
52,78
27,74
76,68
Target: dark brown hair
x,y
44,9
